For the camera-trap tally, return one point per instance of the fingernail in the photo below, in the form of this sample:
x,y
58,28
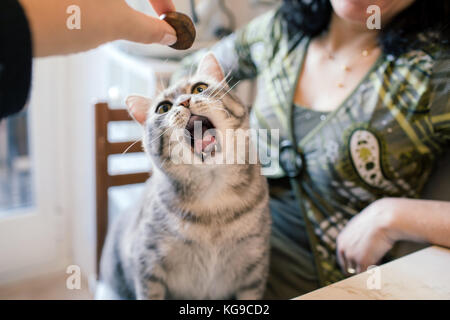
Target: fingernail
x,y
168,39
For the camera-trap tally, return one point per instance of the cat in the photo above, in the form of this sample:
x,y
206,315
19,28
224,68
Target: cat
x,y
202,229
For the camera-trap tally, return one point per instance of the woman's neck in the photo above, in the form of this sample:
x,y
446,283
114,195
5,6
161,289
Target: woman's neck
x,y
346,34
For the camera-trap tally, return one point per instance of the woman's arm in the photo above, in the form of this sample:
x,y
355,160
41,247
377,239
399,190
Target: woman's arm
x,y
372,233
420,220
101,21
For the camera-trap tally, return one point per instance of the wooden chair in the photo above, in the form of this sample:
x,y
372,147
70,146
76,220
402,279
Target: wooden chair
x,y
104,148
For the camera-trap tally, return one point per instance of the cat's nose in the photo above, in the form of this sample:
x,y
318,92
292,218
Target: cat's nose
x,y
185,103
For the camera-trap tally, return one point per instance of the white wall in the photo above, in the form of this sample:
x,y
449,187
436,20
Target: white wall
x,y
85,86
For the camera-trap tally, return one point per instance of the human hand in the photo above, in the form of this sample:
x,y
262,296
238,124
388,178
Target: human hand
x,y
366,238
100,21
139,27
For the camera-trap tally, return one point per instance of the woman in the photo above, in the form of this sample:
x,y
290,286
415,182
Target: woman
x,y
37,28
369,112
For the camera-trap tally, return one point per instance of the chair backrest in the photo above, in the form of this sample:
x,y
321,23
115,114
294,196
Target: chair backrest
x,y
103,149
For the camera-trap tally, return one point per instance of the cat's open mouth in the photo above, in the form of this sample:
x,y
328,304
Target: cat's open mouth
x,y
202,135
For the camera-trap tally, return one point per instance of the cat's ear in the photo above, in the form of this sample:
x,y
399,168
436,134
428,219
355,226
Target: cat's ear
x,y
210,66
138,107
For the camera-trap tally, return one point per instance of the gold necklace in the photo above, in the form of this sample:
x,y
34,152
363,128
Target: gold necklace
x,y
346,67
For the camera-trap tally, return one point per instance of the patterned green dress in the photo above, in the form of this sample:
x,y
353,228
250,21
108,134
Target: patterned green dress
x,y
383,140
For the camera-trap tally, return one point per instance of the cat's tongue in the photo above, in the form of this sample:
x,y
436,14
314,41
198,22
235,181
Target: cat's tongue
x,y
200,145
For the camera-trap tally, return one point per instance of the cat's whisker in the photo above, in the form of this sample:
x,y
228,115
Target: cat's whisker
x,y
163,87
159,136
229,90
162,163
216,91
214,96
161,83
130,146
227,76
220,85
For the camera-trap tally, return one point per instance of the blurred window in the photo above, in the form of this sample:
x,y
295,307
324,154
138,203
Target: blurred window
x,y
15,165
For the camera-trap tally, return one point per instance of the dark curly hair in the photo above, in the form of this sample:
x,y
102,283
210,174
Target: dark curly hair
x,y
429,18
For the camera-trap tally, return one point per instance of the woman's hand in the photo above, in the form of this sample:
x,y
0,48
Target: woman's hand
x,y
100,21
366,238
369,235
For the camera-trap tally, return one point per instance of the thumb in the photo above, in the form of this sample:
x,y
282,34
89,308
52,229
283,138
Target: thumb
x,y
146,29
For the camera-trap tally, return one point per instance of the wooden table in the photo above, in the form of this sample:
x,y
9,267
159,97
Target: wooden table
x,y
424,274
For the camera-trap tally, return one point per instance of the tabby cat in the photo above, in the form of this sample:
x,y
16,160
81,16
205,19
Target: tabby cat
x,y
202,228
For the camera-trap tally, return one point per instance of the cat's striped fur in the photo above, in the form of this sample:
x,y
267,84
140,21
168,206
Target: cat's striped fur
x,y
201,231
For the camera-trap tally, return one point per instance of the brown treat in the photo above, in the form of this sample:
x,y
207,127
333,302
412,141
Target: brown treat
x,y
184,27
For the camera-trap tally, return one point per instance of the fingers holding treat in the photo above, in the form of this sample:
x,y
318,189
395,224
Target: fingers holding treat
x,y
184,28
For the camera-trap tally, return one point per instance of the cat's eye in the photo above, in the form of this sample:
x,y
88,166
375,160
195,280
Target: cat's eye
x,y
164,107
199,88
